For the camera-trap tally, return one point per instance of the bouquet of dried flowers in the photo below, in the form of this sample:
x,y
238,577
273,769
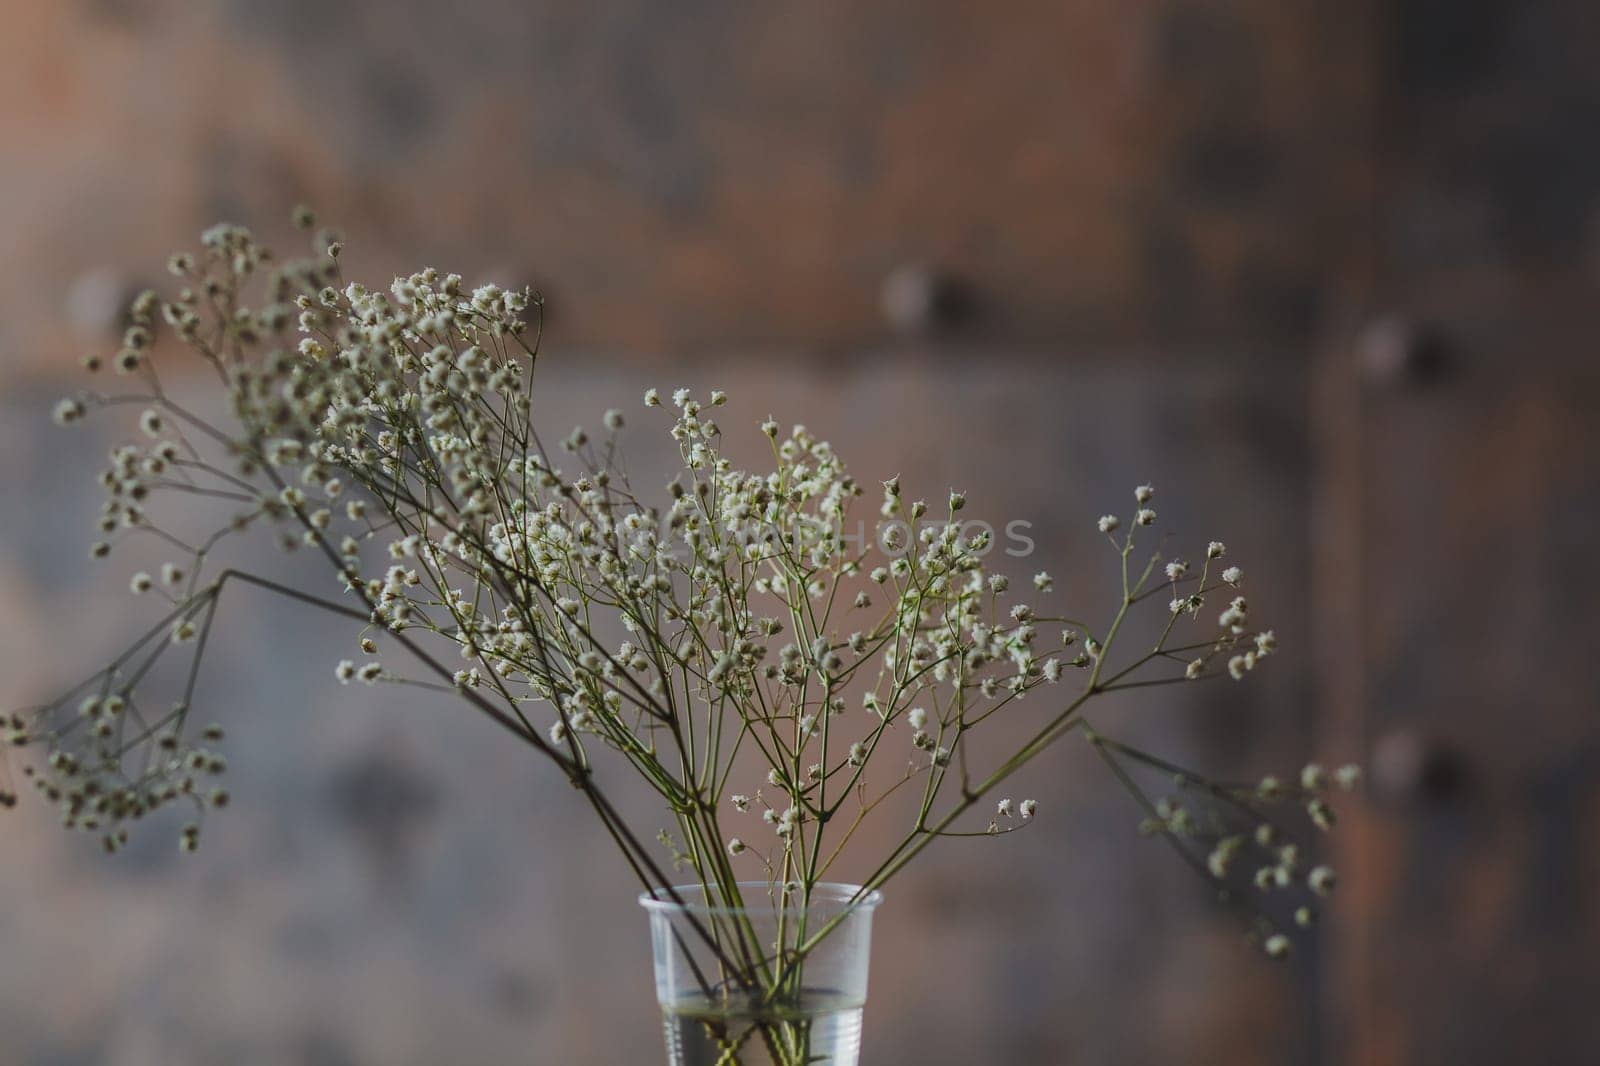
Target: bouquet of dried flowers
x,y
773,672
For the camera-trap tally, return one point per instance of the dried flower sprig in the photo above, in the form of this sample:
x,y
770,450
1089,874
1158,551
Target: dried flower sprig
x,y
737,644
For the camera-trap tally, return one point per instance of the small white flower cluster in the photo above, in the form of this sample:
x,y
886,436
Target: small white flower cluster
x,y
1238,826
83,773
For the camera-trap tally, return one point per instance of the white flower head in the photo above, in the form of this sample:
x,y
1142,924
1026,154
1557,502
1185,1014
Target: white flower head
x,y
67,412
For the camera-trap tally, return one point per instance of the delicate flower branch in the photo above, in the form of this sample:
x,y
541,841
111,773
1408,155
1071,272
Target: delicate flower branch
x,y
733,644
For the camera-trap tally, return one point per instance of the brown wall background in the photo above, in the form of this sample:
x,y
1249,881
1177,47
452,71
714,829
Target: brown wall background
x,y
1322,272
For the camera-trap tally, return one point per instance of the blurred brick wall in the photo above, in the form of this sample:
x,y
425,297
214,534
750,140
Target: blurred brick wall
x,y
696,176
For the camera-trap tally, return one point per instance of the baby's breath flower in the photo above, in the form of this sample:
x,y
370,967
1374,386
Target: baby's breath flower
x,y
1233,575
1277,946
67,412
1321,814
405,405
1321,880
1222,856
1215,550
1348,777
